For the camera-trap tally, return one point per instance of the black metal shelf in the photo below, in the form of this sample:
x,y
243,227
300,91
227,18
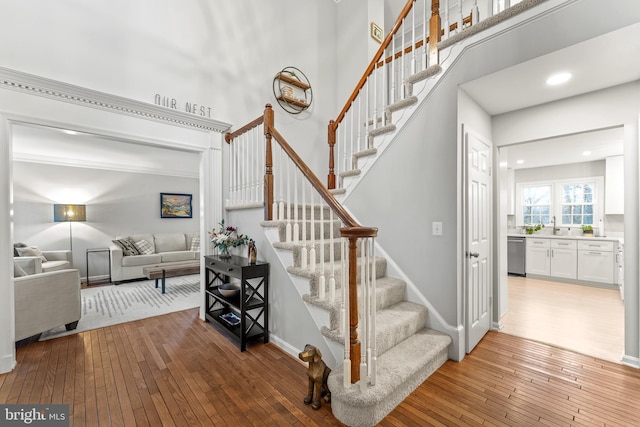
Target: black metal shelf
x,y
251,304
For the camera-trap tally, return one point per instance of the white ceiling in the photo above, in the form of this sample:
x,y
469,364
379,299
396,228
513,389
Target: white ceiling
x,y
605,61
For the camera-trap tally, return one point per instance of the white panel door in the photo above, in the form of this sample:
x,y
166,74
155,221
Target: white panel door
x,y
477,239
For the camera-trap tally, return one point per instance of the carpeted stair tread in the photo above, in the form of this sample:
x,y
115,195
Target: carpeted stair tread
x,y
389,291
382,130
424,74
281,226
400,371
394,324
365,153
352,172
403,103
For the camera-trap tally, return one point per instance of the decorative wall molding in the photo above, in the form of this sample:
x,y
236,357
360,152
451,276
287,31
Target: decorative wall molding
x,y
41,86
91,164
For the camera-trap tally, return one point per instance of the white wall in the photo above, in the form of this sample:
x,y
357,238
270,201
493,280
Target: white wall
x,y
214,54
118,203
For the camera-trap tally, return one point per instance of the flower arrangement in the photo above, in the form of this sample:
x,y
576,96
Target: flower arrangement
x,y
226,238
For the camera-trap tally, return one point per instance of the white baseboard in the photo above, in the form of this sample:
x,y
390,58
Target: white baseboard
x,y
283,345
7,363
634,362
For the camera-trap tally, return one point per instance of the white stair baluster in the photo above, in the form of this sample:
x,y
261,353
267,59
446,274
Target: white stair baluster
x,y
288,228
312,249
321,248
346,366
303,248
332,256
373,354
281,173
296,224
364,316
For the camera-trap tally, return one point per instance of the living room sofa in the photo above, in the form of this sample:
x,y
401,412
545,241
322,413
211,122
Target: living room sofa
x,y
45,301
161,249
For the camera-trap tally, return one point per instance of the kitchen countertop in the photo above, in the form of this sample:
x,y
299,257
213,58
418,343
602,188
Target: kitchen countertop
x,y
566,237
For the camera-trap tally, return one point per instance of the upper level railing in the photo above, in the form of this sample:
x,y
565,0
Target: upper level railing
x,y
315,223
408,53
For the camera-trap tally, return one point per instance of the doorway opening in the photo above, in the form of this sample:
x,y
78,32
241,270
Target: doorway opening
x,y
565,307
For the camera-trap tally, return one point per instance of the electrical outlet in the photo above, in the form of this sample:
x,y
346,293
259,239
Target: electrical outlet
x,y
436,228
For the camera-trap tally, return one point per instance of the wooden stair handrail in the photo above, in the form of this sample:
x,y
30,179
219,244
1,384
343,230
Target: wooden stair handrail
x,y
230,136
385,43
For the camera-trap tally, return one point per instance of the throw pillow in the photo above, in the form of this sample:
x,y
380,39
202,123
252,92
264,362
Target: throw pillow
x,y
195,244
128,246
31,251
18,245
18,271
144,247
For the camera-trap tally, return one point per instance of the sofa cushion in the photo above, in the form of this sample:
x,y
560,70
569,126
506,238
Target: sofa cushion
x,y
55,265
144,247
177,256
170,242
143,236
133,261
31,251
127,245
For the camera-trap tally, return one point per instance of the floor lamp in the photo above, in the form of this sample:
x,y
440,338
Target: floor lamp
x,y
69,213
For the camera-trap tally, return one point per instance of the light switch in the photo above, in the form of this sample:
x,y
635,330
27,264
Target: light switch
x,y
436,228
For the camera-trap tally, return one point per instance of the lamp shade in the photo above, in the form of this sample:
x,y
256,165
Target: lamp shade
x,y
65,213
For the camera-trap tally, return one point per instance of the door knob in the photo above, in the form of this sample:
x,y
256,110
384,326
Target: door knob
x,y
473,254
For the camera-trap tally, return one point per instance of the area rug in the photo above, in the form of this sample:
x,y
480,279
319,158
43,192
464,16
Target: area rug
x,y
111,305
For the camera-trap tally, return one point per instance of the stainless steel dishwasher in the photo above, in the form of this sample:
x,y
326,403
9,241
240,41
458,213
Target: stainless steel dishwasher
x,y
516,255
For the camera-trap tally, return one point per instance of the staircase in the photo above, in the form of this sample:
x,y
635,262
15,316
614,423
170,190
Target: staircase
x,y
408,351
405,351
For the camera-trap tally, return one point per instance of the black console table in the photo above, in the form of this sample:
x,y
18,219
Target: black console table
x,y
250,306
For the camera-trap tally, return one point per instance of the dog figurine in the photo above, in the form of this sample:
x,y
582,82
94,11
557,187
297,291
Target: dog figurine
x,y
318,372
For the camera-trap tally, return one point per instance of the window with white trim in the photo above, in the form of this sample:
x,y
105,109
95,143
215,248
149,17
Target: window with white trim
x,y
574,202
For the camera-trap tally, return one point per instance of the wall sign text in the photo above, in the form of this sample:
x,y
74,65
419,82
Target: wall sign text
x,y
189,107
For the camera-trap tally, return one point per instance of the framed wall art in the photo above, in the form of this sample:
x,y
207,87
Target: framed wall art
x,y
174,205
376,32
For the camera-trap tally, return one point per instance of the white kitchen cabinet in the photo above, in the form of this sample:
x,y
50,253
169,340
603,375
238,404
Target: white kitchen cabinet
x,y
564,259
614,186
538,259
596,262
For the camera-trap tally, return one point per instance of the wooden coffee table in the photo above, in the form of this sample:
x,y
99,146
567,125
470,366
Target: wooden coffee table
x,y
158,272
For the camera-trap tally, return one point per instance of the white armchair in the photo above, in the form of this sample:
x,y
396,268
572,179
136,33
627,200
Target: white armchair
x,y
56,260
45,301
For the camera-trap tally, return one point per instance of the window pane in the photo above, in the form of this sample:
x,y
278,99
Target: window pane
x,y
527,210
588,209
566,210
577,210
566,219
544,210
577,219
545,219
588,219
588,198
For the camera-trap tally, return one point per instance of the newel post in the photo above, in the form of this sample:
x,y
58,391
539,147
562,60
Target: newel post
x,y
435,26
331,179
354,341
268,160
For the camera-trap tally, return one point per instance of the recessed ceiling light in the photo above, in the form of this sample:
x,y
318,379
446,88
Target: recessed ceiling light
x,y
520,162
586,153
559,78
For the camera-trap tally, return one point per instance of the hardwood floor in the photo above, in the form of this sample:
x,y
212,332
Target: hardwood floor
x,y
176,370
584,319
